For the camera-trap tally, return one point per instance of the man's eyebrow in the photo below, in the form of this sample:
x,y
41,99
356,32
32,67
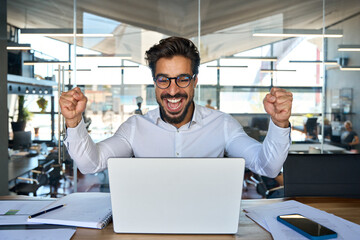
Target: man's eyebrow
x,y
184,74
162,75
167,75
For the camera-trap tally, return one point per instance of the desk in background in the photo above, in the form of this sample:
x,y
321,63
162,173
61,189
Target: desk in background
x,y
348,209
19,166
304,148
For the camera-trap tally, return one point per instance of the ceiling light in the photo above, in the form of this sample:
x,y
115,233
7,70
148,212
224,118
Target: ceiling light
x,y
218,67
30,63
352,68
122,67
315,62
349,48
268,59
61,32
276,70
297,33
122,56
18,46
78,70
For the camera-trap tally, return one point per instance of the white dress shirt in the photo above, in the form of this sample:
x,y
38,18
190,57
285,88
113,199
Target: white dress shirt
x,y
211,133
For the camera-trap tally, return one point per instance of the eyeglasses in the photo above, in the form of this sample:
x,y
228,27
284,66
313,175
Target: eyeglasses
x,y
181,81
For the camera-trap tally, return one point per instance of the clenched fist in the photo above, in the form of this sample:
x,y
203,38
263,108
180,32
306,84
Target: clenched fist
x,y
72,104
278,104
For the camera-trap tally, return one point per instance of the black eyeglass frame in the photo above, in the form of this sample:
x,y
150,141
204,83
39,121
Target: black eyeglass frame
x,y
176,80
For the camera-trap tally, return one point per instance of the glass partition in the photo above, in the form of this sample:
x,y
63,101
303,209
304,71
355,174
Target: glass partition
x,y
310,48
241,46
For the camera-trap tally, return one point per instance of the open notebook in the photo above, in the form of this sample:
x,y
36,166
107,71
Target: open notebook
x,y
89,210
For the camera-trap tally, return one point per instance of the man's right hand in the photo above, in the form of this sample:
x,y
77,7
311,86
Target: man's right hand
x,y
72,104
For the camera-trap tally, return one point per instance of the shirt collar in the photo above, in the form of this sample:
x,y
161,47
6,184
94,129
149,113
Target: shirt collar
x,y
197,116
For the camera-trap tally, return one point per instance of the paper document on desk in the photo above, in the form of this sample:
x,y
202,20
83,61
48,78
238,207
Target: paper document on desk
x,y
266,217
89,210
38,234
16,212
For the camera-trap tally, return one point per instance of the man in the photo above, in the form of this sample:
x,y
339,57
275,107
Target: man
x,y
179,127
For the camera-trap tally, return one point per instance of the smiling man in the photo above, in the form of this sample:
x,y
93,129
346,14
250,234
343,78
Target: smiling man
x,y
179,127
175,100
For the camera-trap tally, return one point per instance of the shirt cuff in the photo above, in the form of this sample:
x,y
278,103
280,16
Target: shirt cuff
x,y
279,134
76,133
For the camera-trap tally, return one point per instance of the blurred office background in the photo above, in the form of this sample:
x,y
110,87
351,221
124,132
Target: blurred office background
x,y
311,48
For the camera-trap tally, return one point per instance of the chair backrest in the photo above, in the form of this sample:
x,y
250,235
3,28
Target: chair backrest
x,y
334,175
311,127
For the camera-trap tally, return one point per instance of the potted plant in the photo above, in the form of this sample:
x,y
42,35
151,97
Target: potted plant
x,y
23,115
42,103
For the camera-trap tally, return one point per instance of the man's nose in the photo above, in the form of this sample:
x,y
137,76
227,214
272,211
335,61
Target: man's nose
x,y
173,88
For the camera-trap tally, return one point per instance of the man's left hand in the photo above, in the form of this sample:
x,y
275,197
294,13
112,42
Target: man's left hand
x,y
278,104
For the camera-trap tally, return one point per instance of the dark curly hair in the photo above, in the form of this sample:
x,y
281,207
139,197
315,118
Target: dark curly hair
x,y
173,46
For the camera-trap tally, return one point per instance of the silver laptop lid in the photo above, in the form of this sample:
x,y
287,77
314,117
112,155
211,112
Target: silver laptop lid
x,y
176,196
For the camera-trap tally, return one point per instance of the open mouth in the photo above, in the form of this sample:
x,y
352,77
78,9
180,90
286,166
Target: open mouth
x,y
173,104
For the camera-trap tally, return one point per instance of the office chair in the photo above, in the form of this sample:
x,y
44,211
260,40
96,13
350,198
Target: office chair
x,y
310,128
267,187
38,177
331,175
58,173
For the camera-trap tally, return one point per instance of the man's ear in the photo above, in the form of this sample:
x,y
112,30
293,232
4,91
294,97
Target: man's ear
x,y
195,81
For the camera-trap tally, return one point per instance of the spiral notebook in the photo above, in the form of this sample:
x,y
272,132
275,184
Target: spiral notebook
x,y
88,210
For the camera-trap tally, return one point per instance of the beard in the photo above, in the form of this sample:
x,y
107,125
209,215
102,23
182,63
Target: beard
x,y
167,117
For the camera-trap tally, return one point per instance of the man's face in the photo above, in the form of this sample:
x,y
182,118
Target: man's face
x,y
176,104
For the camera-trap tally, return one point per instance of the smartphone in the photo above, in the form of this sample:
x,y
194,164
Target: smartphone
x,y
306,227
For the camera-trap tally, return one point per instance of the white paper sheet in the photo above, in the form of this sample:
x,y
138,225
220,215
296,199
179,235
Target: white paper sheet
x,y
265,215
38,234
24,207
21,210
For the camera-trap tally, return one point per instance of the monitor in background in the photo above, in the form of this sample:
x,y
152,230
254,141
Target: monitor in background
x,y
261,123
22,140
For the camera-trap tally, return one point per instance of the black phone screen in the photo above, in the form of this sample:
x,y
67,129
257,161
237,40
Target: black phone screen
x,y
310,227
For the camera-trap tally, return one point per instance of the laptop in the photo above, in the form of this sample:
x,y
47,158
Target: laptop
x,y
176,195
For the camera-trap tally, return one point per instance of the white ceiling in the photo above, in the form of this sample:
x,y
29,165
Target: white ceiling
x,y
226,25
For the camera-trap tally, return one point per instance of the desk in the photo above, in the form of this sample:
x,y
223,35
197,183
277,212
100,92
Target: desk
x,y
20,165
304,147
348,209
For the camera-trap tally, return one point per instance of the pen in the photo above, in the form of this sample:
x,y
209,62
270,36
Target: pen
x,y
47,210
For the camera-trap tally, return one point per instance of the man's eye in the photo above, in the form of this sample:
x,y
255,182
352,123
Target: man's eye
x,y
162,79
183,79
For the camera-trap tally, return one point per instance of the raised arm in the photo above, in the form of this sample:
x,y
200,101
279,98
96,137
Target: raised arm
x,y
90,157
266,158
